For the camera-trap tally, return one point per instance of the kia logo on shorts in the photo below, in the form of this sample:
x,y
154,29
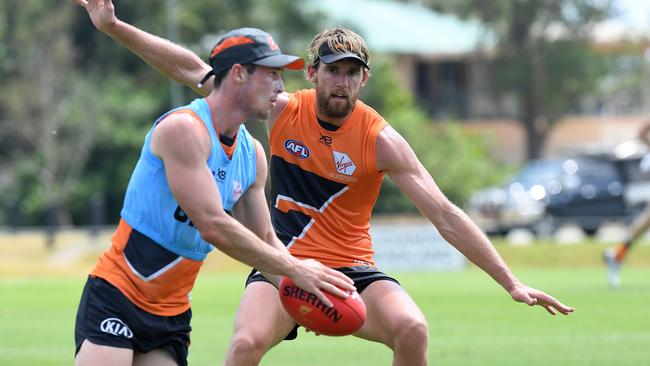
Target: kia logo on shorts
x,y
297,149
116,327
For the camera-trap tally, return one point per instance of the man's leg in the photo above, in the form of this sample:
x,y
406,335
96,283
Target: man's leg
x,y
157,357
640,225
91,354
96,298
634,232
396,321
614,256
260,323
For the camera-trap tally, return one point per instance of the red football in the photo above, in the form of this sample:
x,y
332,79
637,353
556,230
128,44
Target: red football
x,y
345,317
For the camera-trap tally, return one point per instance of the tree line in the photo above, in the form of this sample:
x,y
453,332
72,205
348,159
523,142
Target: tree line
x,y
75,106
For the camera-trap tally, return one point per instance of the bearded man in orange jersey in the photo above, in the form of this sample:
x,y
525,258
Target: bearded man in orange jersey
x,y
329,155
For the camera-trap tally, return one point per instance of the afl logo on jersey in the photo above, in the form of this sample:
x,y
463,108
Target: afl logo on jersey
x,y
297,149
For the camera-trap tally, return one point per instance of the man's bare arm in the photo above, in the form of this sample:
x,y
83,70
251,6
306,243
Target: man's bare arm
x,y
251,209
172,60
183,145
397,159
253,212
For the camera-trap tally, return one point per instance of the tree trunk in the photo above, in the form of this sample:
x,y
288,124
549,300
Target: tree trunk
x,y
536,129
534,138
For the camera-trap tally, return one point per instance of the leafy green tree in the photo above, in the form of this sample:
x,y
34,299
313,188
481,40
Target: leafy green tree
x,y
58,108
459,162
75,106
543,57
41,113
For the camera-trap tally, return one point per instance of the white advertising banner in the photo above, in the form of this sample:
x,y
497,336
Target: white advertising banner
x,y
413,246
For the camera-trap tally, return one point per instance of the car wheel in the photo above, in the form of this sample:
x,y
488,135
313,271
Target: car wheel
x,y
545,227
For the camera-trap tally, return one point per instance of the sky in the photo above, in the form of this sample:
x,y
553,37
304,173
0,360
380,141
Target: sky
x,y
635,13
632,22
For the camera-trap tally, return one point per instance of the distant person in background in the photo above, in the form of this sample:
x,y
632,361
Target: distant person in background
x,y
614,257
329,155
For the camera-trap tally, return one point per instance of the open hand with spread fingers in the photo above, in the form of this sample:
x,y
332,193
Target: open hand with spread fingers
x,y
531,296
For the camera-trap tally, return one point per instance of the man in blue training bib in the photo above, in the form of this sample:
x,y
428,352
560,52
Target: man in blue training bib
x,y
198,164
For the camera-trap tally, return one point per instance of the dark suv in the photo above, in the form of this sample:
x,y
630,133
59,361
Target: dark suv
x,y
546,194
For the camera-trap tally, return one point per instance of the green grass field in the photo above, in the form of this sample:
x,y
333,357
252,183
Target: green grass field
x,y
471,320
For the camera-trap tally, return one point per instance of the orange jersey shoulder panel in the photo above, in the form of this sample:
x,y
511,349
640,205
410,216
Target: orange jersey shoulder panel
x,y
165,292
325,183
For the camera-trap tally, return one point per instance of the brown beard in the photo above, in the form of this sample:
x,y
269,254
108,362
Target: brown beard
x,y
328,110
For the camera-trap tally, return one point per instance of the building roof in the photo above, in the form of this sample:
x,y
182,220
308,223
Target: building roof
x,y
392,27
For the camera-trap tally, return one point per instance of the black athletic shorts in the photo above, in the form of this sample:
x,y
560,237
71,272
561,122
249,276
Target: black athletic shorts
x,y
362,276
106,317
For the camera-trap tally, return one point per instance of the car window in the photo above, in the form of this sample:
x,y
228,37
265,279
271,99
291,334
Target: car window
x,y
598,170
637,170
538,171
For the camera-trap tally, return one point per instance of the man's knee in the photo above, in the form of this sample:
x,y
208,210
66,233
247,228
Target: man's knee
x,y
413,332
248,345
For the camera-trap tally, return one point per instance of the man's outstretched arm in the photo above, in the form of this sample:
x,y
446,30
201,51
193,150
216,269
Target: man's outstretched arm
x,y
397,159
172,60
183,145
253,212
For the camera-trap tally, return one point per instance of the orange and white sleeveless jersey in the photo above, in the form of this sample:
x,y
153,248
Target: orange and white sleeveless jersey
x,y
157,251
325,183
151,277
